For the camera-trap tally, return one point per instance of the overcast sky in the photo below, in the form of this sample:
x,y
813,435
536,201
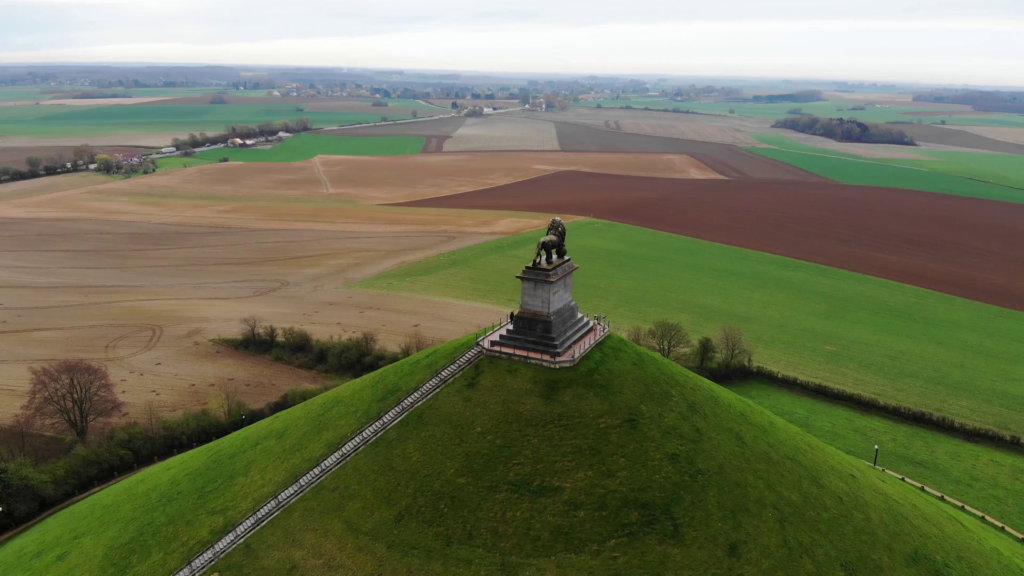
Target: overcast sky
x,y
941,41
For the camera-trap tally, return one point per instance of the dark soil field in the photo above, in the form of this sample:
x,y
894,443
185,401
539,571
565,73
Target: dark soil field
x,y
729,161
961,138
961,246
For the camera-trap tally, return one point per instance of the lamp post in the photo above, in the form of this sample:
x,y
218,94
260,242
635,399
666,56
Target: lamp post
x,y
875,464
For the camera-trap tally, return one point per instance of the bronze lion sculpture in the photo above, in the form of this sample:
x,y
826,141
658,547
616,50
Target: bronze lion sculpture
x,y
554,240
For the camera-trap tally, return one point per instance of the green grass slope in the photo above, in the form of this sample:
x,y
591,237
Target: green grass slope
x,y
984,477
306,146
1001,169
155,521
891,340
872,172
625,464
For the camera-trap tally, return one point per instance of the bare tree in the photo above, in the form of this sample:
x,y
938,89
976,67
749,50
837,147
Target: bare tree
x,y
668,338
226,400
153,420
71,394
637,335
416,342
368,340
270,332
733,348
705,351
253,325
17,437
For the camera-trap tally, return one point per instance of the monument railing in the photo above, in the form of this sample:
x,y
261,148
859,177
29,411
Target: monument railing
x,y
601,328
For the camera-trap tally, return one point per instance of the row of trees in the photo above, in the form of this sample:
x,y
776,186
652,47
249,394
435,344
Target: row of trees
x,y
351,357
719,357
243,131
843,130
110,165
36,166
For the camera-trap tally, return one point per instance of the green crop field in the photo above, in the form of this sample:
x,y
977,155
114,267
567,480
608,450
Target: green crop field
x,y
898,342
154,521
305,146
100,120
981,476
870,172
1002,169
625,464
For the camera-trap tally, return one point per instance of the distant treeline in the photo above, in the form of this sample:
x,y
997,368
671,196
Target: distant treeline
x,y
801,96
675,110
842,130
99,95
982,101
915,415
242,131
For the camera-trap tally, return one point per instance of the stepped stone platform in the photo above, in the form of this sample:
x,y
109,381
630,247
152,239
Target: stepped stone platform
x,y
493,346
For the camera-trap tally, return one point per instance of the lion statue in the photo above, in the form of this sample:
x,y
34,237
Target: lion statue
x,y
554,240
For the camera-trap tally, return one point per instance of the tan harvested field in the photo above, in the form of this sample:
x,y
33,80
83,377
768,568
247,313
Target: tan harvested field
x,y
383,180
139,274
1004,134
688,131
503,133
144,299
50,184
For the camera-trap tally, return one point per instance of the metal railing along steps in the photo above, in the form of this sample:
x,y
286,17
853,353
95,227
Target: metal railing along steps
x,y
272,507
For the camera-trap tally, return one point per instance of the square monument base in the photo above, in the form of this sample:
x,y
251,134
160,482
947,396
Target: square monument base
x,y
548,320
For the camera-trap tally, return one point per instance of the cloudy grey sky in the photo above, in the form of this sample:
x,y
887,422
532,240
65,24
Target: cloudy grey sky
x,y
943,41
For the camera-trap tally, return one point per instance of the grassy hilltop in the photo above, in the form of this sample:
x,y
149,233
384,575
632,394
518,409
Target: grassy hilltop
x,y
626,464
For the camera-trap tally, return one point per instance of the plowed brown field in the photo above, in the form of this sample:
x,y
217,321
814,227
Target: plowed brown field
x,y
961,246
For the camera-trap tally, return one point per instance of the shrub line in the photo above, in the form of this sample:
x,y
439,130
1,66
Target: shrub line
x,y
901,411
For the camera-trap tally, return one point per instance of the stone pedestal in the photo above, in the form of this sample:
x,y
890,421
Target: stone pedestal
x,y
548,320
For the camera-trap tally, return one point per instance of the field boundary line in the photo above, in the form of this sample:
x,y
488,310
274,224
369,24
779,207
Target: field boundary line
x,y
1001,526
206,558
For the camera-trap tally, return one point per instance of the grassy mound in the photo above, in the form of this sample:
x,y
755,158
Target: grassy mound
x,y
897,342
625,464
305,146
155,521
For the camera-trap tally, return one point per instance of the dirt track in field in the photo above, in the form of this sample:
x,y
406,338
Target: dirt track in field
x,y
434,127
144,299
957,245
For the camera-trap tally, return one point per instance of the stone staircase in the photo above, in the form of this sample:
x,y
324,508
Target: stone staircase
x,y
268,510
